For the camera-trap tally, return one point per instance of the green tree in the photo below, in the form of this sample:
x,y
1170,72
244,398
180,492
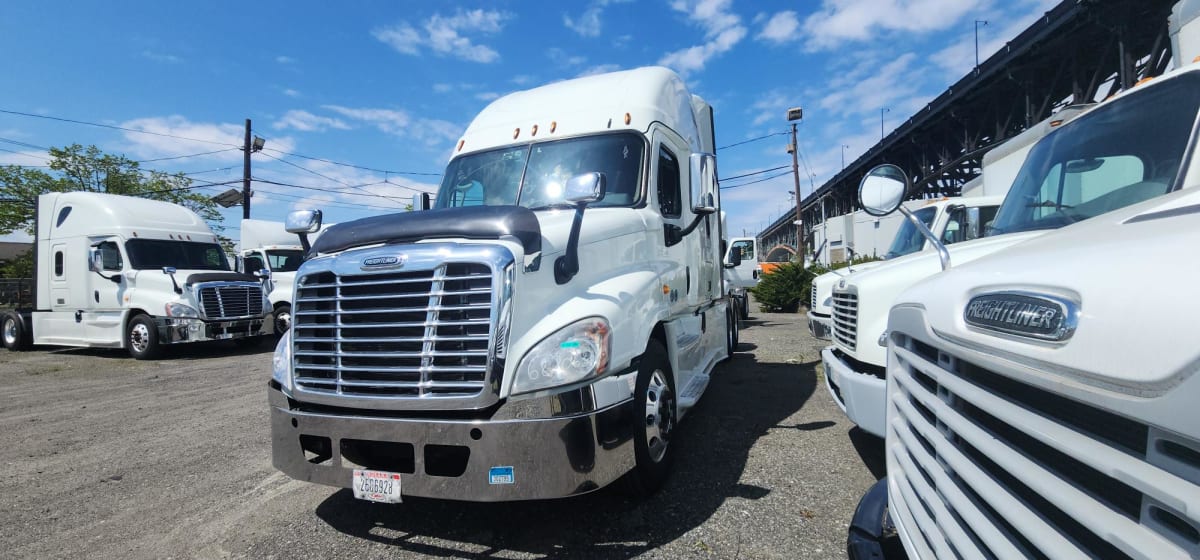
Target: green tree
x,y
76,168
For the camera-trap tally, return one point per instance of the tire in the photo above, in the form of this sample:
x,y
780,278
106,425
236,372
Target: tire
x,y
654,423
731,334
282,318
141,338
13,333
745,307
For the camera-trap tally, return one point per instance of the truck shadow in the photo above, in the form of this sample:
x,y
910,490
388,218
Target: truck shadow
x,y
744,400
871,450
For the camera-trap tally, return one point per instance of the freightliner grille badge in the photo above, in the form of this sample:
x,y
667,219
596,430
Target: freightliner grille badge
x,y
390,261
1023,314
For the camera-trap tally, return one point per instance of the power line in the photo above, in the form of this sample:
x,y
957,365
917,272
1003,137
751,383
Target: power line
x,y
351,165
114,127
335,204
189,155
755,139
335,191
754,173
758,181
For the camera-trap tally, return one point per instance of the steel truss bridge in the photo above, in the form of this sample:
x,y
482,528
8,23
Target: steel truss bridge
x,y
1078,52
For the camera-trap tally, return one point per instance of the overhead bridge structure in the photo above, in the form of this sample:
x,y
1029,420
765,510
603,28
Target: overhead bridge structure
x,y
1078,52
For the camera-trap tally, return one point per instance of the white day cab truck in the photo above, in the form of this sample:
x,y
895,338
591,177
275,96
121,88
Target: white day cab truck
x,y
540,331
267,245
1029,412
124,272
741,272
950,219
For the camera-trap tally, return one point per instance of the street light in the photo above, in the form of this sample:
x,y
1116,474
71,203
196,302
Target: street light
x,y
795,114
977,22
844,156
882,110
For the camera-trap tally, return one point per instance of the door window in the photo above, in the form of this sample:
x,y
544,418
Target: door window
x,y
670,200
58,263
746,248
110,256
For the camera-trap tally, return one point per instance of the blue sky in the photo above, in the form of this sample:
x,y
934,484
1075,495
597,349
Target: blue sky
x,y
389,86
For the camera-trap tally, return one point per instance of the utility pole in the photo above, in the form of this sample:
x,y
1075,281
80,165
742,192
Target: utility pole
x,y
246,174
794,114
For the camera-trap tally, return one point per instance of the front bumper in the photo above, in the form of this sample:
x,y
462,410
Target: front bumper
x,y
872,534
452,459
176,330
862,396
820,327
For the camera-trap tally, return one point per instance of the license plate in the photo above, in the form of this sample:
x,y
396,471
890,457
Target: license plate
x,y
377,486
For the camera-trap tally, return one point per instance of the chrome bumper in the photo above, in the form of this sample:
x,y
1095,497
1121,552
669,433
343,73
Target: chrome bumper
x,y
820,328
862,396
549,457
174,330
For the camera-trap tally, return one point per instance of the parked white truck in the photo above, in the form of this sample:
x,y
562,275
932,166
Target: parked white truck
x,y
124,272
951,219
1030,412
267,245
741,272
540,331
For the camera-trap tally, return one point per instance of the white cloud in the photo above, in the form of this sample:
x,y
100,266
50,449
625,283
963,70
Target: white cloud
x,y
722,31
443,88
562,58
841,21
291,92
390,121
161,57
431,132
589,23
599,69
780,28
446,35
285,59
487,96
308,122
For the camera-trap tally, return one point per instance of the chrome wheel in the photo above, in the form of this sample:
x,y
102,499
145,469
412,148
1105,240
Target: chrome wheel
x,y
10,332
660,415
139,337
283,320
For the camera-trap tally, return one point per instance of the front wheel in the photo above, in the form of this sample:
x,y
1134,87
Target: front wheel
x,y
141,338
731,331
12,333
283,318
654,420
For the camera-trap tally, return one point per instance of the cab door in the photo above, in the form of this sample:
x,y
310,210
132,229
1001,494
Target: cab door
x,y
104,313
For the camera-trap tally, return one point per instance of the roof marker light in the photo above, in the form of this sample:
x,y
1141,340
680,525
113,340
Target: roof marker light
x,y
516,133
627,119
533,130
1055,123
460,144
553,125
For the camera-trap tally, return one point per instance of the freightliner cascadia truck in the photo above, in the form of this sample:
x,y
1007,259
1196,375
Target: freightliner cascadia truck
x,y
124,272
1041,400
538,332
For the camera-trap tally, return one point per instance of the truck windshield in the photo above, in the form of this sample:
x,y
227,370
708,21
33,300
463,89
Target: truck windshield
x,y
1118,154
533,175
153,254
909,239
285,260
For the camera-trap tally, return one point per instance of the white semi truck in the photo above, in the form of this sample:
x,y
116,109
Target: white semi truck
x,y
1033,407
540,331
267,245
951,219
124,272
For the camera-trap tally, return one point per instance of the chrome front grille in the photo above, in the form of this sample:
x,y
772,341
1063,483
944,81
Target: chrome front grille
x,y
400,335
813,304
845,319
984,466
230,301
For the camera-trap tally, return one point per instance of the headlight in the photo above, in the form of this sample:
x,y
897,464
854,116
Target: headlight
x,y
181,310
574,353
281,364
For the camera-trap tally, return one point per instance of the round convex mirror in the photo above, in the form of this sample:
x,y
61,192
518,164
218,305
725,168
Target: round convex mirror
x,y
882,190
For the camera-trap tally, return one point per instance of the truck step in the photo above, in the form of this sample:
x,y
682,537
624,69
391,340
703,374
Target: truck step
x,y
691,393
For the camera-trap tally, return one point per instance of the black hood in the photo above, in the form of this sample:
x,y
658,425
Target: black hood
x,y
470,222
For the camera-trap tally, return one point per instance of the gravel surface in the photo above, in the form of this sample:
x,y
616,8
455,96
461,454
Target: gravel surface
x,y
108,457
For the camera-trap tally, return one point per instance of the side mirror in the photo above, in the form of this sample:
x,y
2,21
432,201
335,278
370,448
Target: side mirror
x,y
303,221
882,190
705,205
263,273
735,258
169,270
585,188
95,260
421,201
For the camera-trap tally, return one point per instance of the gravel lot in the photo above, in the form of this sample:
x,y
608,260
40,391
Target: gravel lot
x,y
108,457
